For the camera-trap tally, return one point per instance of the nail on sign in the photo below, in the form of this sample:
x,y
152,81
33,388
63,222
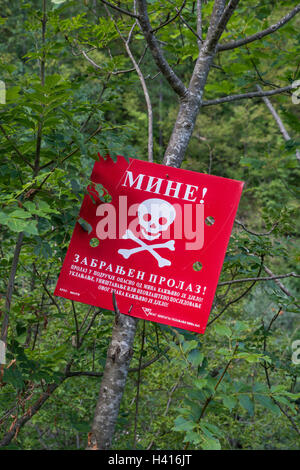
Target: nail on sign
x,y
156,236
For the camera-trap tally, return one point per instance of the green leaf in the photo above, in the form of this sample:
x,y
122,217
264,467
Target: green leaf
x,y
187,346
230,402
14,377
223,330
16,225
20,214
81,426
12,94
31,228
195,357
182,424
251,357
3,218
278,388
247,404
211,444
200,383
267,402
193,437
212,428
260,388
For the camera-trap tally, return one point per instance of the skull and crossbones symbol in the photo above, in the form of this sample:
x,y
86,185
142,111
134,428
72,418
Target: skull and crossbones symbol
x,y
155,216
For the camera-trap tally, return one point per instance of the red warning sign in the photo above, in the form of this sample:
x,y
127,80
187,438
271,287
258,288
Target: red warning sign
x,y
156,236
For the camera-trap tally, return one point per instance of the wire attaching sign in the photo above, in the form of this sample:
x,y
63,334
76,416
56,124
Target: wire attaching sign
x,y
156,236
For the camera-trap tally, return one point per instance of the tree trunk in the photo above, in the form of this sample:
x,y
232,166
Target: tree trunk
x,y
186,118
121,346
120,349
118,359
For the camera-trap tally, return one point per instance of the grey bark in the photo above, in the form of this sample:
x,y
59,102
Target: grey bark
x,y
158,56
118,359
199,22
191,99
121,346
245,96
261,34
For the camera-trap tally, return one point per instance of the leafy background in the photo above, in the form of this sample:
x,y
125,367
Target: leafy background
x,y
236,387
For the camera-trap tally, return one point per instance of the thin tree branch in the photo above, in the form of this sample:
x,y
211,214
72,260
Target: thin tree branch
x,y
8,138
219,381
249,279
280,285
172,391
215,33
120,10
286,414
143,83
84,374
115,72
85,317
258,73
243,294
209,399
76,324
254,37
151,361
158,56
255,233
32,410
283,411
99,129
89,326
118,72
90,60
131,370
138,386
171,19
42,79
275,115
278,121
47,290
199,40
253,94
199,22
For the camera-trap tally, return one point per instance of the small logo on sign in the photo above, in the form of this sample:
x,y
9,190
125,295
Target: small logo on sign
x,y
147,311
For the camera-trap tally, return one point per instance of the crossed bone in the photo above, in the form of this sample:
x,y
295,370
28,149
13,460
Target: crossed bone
x,y
143,246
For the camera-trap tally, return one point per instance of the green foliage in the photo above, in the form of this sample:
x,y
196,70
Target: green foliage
x,y
236,387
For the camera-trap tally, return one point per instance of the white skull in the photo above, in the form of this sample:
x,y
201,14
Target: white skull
x,y
155,216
